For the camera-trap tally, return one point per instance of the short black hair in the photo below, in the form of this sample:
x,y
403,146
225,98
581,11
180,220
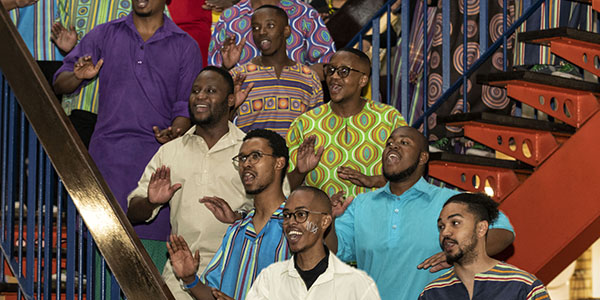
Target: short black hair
x,y
278,10
319,196
276,142
362,57
481,205
224,73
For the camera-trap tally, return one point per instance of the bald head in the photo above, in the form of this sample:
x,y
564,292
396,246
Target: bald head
x,y
414,135
319,202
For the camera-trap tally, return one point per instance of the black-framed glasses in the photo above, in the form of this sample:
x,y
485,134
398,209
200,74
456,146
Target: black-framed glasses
x,y
342,71
251,158
300,215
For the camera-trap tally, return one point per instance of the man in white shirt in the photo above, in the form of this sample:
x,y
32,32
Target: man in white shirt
x,y
313,272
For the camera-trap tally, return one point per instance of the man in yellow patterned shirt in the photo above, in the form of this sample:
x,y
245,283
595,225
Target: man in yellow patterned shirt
x,y
337,146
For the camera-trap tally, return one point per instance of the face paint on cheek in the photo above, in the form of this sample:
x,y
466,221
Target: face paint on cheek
x,y
311,227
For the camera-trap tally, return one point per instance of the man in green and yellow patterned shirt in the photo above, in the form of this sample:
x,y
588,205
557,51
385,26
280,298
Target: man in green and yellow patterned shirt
x,y
337,146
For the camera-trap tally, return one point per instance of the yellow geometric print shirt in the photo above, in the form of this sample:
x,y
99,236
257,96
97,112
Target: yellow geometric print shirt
x,y
357,142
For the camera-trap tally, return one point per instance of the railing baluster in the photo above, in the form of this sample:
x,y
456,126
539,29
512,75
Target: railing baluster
x,y
59,219
375,61
405,23
31,210
388,57
483,26
465,67
71,244
39,223
425,66
21,151
79,257
48,241
446,45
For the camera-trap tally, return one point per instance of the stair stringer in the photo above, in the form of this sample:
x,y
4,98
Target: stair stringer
x,y
556,211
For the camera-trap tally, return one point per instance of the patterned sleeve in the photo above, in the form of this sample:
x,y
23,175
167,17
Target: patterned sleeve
x,y
317,92
294,140
319,41
538,291
344,230
216,42
399,120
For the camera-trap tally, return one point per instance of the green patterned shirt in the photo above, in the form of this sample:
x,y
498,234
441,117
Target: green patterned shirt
x,y
357,142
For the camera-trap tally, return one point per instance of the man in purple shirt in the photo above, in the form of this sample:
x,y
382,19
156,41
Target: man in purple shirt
x,y
146,66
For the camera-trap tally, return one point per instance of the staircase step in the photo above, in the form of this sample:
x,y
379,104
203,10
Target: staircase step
x,y
508,121
569,100
495,177
502,133
541,79
577,46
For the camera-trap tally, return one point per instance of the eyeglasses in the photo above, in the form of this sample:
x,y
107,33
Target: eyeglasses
x,y
251,158
342,71
300,215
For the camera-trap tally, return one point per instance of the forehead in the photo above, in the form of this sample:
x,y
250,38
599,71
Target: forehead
x,y
455,208
210,78
404,132
266,14
299,199
255,144
344,58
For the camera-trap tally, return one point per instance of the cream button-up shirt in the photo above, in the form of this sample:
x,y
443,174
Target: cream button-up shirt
x,y
202,172
281,280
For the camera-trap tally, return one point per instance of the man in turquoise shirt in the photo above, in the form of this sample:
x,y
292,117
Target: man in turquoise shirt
x,y
392,232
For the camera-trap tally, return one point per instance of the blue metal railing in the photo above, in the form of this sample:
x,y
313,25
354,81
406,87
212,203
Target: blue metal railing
x,y
405,45
46,247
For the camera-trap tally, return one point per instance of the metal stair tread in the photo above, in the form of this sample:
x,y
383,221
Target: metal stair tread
x,y
509,121
542,36
540,78
479,161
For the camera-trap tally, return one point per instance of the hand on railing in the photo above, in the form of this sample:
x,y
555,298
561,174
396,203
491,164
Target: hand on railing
x,y
85,69
185,265
221,209
231,52
160,189
65,39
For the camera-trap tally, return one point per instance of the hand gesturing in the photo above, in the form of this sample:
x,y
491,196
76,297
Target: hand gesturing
x,y
160,189
184,264
307,159
65,39
85,69
231,52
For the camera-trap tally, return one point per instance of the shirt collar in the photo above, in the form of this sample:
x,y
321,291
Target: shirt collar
x,y
420,187
168,28
233,137
335,266
276,215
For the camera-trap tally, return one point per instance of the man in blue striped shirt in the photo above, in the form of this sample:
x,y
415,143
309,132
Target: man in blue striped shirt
x,y
251,243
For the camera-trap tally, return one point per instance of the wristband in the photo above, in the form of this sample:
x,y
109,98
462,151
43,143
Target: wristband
x,y
186,287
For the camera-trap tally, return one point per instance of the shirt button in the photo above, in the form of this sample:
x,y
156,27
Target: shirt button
x,y
139,62
396,210
394,226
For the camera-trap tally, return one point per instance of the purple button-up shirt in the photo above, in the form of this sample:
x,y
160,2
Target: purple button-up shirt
x,y
141,84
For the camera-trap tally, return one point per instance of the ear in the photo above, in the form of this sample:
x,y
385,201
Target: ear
x,y
287,31
280,163
482,228
423,158
326,221
364,81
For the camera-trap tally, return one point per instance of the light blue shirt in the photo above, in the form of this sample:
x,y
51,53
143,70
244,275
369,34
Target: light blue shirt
x,y
389,235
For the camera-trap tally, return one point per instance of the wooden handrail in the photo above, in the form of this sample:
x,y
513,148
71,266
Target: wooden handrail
x,y
105,219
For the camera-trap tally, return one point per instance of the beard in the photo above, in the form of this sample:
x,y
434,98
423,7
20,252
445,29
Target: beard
x,y
402,175
465,255
211,119
257,190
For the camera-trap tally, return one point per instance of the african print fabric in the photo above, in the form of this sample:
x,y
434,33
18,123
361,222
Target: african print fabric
x,y
275,102
355,142
85,15
34,23
502,282
309,42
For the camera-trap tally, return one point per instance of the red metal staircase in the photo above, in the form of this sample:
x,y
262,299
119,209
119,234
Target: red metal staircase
x,y
551,192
